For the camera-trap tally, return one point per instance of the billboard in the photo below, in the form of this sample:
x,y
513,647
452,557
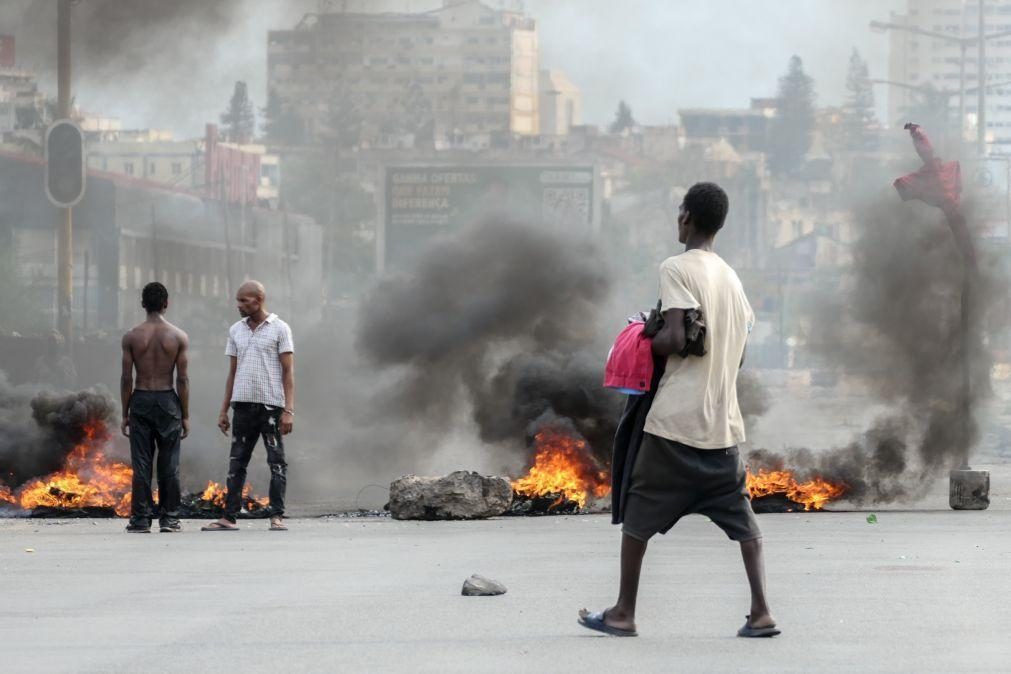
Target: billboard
x,y
423,202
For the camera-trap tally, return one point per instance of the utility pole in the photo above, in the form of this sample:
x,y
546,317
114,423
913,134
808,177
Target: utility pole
x,y
981,101
65,239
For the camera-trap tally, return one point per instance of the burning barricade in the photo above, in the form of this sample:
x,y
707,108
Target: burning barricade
x,y
564,476
87,482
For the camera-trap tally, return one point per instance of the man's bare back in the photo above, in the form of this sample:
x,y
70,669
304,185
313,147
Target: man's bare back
x,y
155,346
155,353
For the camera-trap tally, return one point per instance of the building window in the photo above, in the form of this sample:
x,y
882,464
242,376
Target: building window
x,y
128,168
138,278
215,289
122,277
152,169
179,282
177,168
189,283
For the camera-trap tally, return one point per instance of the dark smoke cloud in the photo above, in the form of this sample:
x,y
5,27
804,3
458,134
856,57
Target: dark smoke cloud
x,y
500,321
897,323
39,429
167,64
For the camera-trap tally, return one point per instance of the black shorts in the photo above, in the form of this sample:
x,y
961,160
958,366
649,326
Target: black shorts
x,y
671,480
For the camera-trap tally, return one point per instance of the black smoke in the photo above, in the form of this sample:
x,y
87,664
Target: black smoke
x,y
38,430
499,322
163,63
896,322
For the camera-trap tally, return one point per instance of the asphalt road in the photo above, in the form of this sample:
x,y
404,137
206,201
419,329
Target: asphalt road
x,y
923,590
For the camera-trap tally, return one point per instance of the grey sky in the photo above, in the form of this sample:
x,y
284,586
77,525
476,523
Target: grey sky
x,y
659,55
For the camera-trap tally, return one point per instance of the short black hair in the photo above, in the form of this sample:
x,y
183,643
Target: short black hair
x,y
154,297
707,204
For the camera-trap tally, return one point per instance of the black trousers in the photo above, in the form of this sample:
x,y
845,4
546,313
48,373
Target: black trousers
x,y
155,424
250,421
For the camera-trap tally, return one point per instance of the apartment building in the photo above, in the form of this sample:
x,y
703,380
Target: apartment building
x,y
918,61
464,74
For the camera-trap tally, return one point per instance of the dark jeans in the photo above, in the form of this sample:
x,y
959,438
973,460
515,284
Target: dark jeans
x,y
249,421
155,423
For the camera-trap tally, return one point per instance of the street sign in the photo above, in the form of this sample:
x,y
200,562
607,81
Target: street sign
x,y
65,165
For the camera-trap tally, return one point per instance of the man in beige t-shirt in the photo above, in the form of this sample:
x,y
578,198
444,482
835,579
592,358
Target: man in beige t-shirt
x,y
688,461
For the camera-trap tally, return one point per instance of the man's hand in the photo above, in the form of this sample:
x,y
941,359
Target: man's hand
x,y
223,423
186,428
125,426
287,423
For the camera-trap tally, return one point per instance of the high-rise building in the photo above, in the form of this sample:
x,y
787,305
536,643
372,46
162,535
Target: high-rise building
x,y
561,105
451,75
919,63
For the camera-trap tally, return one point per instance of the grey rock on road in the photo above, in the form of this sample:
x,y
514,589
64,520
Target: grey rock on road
x,y
479,586
461,495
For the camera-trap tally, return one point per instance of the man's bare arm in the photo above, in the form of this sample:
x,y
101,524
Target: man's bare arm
x,y
183,380
288,379
671,339
126,383
223,423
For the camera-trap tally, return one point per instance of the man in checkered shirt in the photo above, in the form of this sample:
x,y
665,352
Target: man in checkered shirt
x,y
260,390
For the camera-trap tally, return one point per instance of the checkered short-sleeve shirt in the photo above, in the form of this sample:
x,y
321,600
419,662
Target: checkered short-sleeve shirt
x,y
258,352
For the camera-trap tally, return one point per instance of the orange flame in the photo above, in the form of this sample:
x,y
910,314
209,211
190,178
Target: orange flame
x,y
215,493
564,466
813,494
88,479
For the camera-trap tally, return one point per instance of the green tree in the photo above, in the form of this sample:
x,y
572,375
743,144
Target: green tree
x,y
858,110
623,118
790,133
417,115
239,121
344,119
281,124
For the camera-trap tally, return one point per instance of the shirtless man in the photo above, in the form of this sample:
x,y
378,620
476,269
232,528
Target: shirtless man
x,y
155,415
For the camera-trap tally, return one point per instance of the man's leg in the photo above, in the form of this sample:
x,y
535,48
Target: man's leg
x,y
273,441
754,565
622,614
141,460
168,473
245,430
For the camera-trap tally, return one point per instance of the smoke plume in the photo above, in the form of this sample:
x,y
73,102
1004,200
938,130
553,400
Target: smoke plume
x,y
38,430
132,59
897,324
499,322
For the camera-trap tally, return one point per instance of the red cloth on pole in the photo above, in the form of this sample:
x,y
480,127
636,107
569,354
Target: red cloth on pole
x,y
938,183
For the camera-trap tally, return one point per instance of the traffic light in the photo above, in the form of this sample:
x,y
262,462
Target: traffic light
x,y
65,168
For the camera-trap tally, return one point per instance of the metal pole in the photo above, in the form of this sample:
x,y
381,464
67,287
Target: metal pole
x,y
981,103
961,96
65,239
84,294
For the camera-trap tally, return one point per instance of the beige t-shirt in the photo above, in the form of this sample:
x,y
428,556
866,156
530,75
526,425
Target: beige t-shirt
x,y
696,402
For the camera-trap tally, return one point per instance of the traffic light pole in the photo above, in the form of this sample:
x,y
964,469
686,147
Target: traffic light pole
x,y
65,240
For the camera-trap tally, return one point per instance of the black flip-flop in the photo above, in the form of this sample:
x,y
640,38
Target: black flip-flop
x,y
750,632
595,621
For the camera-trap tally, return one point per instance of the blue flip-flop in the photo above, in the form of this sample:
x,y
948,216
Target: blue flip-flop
x,y
750,632
595,621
